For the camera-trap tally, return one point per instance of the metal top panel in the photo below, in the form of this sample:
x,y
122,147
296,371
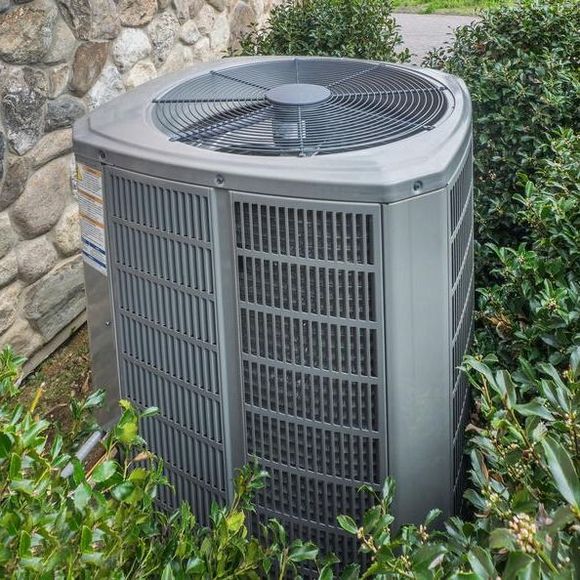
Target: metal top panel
x,y
123,133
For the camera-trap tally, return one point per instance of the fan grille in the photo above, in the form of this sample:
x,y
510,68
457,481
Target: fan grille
x,y
232,110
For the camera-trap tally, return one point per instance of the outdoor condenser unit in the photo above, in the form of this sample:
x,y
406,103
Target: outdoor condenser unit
x,y
279,255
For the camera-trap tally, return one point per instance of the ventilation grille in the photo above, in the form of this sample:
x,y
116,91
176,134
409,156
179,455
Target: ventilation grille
x,y
312,359
303,106
462,304
163,285
328,540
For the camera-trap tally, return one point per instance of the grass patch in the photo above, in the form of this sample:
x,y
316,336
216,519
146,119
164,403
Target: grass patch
x,y
446,6
62,376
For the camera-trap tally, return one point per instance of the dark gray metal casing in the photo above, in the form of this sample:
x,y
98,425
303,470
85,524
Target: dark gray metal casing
x,y
307,311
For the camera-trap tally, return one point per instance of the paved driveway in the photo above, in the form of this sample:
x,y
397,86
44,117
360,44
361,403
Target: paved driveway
x,y
422,32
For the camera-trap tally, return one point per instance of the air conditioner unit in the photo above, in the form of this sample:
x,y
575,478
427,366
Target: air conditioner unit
x,y
279,256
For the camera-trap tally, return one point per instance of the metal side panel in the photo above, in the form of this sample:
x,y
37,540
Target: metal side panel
x,y
104,368
416,258
226,279
461,305
310,307
166,302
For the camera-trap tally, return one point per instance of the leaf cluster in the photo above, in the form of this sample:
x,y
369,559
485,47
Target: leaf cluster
x,y
344,28
520,63
62,519
531,307
525,489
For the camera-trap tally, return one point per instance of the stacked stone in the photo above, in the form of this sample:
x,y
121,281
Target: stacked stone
x,y
58,60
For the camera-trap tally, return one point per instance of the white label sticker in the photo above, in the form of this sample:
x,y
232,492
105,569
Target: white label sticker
x,y
89,187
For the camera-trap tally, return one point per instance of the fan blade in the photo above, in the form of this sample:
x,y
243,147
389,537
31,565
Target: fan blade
x,y
219,124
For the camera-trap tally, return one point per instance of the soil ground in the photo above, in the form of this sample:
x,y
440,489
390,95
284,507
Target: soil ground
x,y
64,375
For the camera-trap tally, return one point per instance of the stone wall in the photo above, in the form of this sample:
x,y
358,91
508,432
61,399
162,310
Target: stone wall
x,y
58,60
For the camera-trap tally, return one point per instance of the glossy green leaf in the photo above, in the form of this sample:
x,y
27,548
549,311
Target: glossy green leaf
x,y
167,573
78,472
235,521
350,572
123,490
517,563
534,408
86,539
82,496
371,519
482,369
94,558
506,388
562,470
532,572
347,524
302,552
195,566
95,399
149,412
429,556
560,518
24,543
502,539
278,530
432,516
326,573
482,563
15,466
127,430
575,363
138,474
388,489
104,471
31,436
5,445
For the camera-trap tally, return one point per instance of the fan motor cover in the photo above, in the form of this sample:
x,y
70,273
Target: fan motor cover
x,y
279,256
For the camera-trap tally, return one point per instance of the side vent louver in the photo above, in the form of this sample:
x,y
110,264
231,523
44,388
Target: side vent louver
x,y
462,304
312,356
163,284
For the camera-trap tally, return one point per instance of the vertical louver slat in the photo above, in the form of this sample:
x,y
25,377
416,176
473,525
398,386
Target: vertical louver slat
x,y
309,311
461,305
163,286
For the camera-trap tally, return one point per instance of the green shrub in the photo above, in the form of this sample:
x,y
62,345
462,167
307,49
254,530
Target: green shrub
x,y
103,522
533,312
525,489
520,64
347,28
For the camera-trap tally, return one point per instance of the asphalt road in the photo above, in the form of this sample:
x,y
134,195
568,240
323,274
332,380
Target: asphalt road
x,y
422,32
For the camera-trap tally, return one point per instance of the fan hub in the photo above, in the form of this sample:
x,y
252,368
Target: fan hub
x,y
297,94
